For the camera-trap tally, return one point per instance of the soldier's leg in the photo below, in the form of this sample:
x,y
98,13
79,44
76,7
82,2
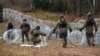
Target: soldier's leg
x,y
36,40
26,35
88,39
22,37
65,40
33,40
92,41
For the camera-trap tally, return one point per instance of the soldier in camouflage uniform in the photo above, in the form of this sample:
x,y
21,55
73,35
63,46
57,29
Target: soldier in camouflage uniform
x,y
62,25
35,35
10,26
90,22
25,27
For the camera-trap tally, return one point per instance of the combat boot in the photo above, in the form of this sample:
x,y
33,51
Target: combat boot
x,y
93,44
64,45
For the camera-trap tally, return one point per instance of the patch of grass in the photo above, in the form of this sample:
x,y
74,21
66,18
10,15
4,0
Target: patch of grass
x,y
1,40
44,16
2,28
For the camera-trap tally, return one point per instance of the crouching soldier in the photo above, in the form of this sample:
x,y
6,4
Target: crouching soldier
x,y
35,35
25,27
90,22
62,25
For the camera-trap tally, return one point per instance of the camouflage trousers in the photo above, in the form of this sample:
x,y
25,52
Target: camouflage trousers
x,y
26,35
64,37
35,40
90,39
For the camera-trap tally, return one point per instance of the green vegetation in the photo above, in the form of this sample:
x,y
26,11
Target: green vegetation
x,y
44,16
57,5
75,7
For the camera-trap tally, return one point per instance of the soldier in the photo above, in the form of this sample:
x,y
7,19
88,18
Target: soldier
x,y
90,22
10,26
35,35
25,27
62,25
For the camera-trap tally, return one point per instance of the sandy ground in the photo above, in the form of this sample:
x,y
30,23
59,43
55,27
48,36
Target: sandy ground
x,y
54,48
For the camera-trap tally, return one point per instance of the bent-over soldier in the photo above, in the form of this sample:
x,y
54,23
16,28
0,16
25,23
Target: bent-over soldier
x,y
35,35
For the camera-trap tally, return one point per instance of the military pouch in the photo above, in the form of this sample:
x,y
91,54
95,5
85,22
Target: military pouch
x,y
63,30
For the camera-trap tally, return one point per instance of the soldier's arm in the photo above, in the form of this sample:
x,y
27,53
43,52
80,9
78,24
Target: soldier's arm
x,y
42,33
29,26
69,27
95,25
31,32
53,30
21,25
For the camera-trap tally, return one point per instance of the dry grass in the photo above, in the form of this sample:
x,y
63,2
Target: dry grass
x,y
2,27
53,16
54,48
44,15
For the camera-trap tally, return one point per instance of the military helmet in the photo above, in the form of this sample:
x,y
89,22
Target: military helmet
x,y
61,16
89,14
24,20
37,27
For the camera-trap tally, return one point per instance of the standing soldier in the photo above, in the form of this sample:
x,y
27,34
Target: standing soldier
x,y
62,25
25,27
1,13
90,22
35,35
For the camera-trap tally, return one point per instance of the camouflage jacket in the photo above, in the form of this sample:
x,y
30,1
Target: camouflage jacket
x,y
25,27
36,33
62,27
89,25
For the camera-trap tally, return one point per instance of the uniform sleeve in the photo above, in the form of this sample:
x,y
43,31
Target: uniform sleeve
x,y
41,33
95,25
28,25
55,27
21,25
31,32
